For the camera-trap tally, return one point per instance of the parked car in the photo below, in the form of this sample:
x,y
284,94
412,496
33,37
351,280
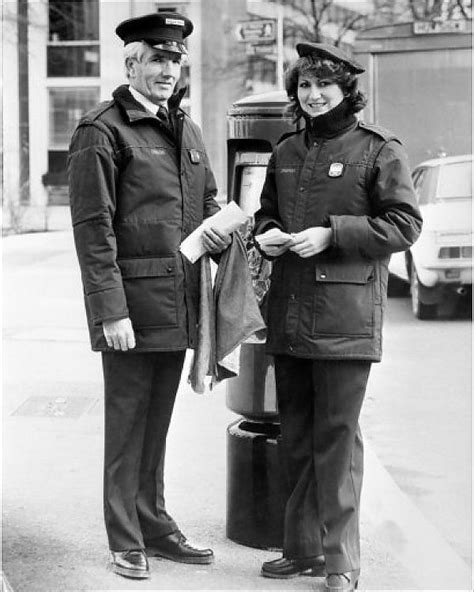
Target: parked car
x,y
440,262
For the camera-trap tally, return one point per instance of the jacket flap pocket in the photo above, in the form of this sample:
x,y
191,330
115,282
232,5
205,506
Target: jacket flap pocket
x,y
345,273
147,267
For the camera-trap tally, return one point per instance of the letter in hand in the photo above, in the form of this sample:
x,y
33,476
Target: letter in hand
x,y
214,240
119,334
311,241
274,242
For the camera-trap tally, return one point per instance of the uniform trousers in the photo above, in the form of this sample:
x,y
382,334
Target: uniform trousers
x,y
140,391
319,403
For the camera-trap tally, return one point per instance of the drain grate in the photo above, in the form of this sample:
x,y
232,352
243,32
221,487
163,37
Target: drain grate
x,y
54,406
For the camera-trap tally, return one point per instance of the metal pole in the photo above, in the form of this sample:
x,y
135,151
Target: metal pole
x,y
279,64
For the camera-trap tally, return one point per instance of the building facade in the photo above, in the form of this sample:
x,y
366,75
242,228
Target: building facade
x,y
61,57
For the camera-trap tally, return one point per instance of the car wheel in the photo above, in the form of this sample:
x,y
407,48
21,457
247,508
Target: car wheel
x,y
397,288
421,310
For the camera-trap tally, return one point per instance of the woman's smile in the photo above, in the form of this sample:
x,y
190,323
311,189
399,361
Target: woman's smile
x,y
318,96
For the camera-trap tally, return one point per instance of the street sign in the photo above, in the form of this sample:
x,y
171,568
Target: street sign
x,y
428,27
261,30
268,49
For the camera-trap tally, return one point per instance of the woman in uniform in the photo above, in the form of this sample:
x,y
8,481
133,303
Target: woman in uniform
x,y
337,202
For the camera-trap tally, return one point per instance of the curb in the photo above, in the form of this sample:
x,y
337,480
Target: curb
x,y
399,524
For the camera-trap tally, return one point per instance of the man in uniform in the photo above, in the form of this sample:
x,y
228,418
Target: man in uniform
x,y
140,182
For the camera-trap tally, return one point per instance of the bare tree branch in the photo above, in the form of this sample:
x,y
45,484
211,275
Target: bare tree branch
x,y
414,10
460,5
348,26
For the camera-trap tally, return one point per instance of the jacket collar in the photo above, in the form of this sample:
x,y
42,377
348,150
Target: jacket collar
x,y
134,110
333,123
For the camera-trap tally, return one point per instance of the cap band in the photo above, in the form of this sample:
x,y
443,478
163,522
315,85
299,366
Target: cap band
x,y
166,45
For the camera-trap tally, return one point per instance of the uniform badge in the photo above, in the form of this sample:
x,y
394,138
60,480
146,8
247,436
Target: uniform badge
x,y
336,169
173,21
195,156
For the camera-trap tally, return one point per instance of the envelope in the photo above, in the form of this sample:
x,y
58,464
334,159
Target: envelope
x,y
228,219
274,236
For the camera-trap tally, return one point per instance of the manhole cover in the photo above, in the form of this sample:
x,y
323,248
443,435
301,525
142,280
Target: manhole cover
x,y
54,406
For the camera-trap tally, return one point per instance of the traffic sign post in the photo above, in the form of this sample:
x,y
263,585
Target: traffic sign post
x,y
267,49
264,37
261,30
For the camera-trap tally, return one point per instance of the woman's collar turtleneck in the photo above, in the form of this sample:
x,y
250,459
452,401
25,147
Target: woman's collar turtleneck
x,y
331,123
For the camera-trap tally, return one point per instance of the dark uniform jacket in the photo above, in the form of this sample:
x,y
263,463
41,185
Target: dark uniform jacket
x,y
331,306
136,191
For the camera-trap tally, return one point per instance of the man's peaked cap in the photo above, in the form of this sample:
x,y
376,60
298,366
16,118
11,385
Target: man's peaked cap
x,y
163,30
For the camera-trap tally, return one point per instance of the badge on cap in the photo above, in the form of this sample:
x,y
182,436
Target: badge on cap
x,y
336,169
173,21
195,156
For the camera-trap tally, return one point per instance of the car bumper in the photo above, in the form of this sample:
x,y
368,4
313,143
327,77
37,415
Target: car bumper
x,y
450,273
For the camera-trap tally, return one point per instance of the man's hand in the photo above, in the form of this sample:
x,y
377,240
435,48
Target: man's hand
x,y
119,334
215,241
311,241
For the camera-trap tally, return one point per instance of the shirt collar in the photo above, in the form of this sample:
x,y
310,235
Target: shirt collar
x,y
143,100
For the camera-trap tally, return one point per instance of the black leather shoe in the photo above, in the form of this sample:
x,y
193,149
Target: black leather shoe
x,y
343,582
175,547
131,564
284,568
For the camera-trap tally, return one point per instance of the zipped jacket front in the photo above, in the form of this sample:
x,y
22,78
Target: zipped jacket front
x,y
136,191
330,306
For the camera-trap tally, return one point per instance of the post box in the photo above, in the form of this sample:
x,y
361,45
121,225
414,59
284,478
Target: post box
x,y
256,494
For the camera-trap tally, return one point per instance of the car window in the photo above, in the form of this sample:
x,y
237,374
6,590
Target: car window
x,y
455,181
419,178
415,175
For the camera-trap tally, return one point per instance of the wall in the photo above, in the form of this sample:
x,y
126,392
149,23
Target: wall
x,y
223,74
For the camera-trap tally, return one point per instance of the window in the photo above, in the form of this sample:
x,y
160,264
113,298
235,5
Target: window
x,y
73,45
455,181
66,107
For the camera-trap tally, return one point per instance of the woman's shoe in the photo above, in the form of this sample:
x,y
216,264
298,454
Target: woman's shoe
x,y
130,564
284,568
342,582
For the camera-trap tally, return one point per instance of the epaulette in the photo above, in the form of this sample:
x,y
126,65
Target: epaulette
x,y
383,133
287,135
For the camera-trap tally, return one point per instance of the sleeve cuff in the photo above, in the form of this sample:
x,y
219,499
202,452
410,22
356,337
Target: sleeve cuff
x,y
107,305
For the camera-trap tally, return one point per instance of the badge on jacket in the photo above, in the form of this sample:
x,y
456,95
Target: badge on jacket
x,y
195,156
336,169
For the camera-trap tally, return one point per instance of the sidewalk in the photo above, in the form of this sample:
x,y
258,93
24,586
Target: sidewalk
x,y
53,534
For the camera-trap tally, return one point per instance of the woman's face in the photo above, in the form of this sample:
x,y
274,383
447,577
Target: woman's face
x,y
318,96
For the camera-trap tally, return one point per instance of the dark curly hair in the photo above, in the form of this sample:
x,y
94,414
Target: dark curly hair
x,y
323,69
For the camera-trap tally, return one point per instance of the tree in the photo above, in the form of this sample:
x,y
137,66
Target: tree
x,y
391,11
337,21
321,20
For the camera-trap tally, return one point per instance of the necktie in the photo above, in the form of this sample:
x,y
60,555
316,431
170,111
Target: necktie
x,y
162,114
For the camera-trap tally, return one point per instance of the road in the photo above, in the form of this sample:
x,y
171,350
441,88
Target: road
x,y
418,416
417,420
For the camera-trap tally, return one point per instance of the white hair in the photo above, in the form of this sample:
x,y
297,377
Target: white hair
x,y
134,50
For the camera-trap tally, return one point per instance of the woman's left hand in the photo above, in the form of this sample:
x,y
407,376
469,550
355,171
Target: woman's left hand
x,y
311,241
215,241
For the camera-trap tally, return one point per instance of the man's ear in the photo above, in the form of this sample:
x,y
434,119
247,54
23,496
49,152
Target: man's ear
x,y
130,65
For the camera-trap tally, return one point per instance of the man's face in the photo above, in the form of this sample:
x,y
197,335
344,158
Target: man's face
x,y
156,75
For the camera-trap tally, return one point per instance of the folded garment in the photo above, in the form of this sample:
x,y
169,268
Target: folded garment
x,y
228,315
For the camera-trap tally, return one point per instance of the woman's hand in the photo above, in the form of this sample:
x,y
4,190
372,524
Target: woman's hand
x,y
215,241
311,241
274,242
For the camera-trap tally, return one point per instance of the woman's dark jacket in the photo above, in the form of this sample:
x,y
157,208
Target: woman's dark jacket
x,y
355,178
137,190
